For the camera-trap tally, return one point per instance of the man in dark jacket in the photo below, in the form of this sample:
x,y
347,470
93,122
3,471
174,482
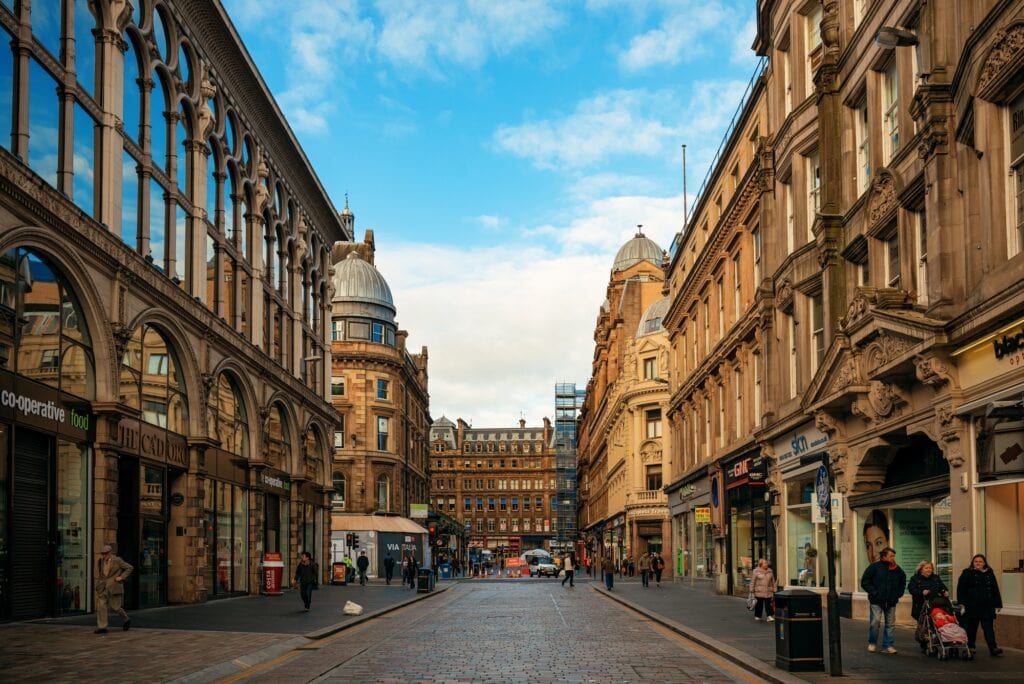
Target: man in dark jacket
x,y
389,567
362,563
307,576
884,582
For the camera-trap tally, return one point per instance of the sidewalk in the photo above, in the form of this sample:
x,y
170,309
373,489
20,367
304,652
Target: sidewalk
x,y
726,619
193,643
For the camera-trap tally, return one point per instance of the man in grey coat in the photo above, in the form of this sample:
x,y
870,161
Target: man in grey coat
x,y
111,573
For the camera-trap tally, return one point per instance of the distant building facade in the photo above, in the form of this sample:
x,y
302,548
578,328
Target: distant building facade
x,y
164,290
623,456
380,391
498,481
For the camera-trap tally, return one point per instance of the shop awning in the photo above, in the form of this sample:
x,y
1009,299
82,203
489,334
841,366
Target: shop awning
x,y
1009,393
377,523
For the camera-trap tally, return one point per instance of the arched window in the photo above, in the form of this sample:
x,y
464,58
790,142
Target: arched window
x,y
277,438
312,453
227,420
338,494
151,380
51,344
383,492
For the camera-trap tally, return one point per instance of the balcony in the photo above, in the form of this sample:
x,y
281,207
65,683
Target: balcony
x,y
647,497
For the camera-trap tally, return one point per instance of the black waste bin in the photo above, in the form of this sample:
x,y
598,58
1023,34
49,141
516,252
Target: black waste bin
x,y
425,581
846,604
798,634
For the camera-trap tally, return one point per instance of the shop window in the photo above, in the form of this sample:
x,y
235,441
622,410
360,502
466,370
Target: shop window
x,y
1002,519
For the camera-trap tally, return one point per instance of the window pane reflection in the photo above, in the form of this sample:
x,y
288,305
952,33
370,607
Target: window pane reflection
x,y
132,103
6,87
43,122
129,201
85,46
84,160
46,24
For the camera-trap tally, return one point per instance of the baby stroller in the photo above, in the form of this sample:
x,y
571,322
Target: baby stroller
x,y
938,631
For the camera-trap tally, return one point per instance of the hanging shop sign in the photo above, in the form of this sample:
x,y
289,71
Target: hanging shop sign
x,y
702,514
991,357
749,470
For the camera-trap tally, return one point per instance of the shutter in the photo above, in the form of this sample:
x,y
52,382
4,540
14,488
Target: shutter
x,y
30,538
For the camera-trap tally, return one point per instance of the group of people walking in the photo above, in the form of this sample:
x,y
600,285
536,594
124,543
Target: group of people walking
x,y
977,592
651,565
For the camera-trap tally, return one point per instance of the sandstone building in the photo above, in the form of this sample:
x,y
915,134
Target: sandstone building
x,y
164,297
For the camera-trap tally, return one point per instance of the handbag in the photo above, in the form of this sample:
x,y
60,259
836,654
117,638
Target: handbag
x,y
751,601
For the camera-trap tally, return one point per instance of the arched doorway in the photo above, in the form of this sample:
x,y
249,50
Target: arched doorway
x,y
47,381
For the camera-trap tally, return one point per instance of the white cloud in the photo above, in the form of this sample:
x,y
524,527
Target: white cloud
x,y
503,324
426,37
489,221
742,52
612,123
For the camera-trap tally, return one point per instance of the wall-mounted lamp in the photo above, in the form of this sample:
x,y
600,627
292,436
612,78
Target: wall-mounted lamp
x,y
890,37
353,440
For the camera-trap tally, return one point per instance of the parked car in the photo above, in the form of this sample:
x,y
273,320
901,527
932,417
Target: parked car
x,y
542,566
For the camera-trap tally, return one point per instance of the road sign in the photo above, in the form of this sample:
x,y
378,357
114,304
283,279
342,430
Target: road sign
x,y
821,488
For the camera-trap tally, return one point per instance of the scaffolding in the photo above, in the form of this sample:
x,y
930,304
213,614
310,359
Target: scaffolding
x,y
568,403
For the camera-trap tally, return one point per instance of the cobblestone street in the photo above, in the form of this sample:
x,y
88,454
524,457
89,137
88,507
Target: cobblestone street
x,y
497,632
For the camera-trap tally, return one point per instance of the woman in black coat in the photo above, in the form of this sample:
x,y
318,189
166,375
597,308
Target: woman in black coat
x,y
978,594
924,585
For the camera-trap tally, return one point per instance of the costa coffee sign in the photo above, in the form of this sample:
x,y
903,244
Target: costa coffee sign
x,y
152,442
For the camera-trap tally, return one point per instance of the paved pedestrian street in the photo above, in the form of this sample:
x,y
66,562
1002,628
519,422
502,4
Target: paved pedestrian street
x,y
503,632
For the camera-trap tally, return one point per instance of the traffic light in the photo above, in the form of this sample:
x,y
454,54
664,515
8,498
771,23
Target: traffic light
x,y
432,528
348,539
355,541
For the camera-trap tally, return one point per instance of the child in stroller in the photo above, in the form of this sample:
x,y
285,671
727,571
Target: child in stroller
x,y
938,631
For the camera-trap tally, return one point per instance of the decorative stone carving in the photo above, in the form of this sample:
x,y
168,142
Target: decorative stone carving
x,y
207,119
883,201
858,308
650,452
784,298
844,375
882,401
839,457
122,336
1006,50
884,349
935,370
262,194
933,138
950,428
830,425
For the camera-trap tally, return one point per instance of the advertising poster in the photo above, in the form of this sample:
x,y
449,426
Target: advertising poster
x,y
912,537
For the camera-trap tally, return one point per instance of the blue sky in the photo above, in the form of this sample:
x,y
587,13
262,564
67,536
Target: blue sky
x,y
502,151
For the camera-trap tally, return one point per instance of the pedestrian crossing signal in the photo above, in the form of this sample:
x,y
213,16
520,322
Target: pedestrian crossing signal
x,y
348,539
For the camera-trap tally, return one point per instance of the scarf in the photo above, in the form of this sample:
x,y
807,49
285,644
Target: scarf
x,y
892,565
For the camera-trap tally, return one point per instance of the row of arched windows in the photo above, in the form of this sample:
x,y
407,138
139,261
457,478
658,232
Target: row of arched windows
x,y
196,186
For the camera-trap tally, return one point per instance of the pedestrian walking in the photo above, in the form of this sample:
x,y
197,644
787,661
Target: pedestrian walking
x,y
630,566
307,576
977,592
658,566
608,567
645,570
570,569
389,567
414,568
924,585
362,563
762,584
350,571
884,582
111,572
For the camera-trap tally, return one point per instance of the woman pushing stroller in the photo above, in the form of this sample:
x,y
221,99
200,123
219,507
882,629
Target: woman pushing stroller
x,y
924,586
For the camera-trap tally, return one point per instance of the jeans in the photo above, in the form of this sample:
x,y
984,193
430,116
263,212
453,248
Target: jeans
x,y
609,580
644,574
387,574
568,576
878,614
306,592
362,577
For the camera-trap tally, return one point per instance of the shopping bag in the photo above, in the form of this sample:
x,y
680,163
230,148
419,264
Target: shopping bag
x,y
352,608
751,601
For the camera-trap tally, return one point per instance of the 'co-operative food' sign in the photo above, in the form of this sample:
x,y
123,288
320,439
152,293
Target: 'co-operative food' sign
x,y
31,403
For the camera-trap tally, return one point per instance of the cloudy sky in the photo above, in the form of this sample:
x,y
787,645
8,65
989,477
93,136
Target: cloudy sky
x,y
502,151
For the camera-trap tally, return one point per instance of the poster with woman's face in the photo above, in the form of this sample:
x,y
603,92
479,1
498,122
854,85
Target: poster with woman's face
x,y
876,535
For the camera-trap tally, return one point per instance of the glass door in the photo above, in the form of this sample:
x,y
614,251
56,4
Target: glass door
x,y
152,579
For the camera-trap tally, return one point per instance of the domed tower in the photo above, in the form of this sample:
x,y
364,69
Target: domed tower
x,y
348,220
362,308
639,248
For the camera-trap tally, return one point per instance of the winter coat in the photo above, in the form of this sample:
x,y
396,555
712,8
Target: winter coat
x,y
762,582
362,563
918,584
978,592
307,573
645,563
608,565
884,587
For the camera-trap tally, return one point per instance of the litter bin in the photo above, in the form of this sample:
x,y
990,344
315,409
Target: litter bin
x,y
425,581
798,633
445,570
339,573
846,604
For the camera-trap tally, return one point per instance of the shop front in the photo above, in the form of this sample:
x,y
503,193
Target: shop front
x,y
802,557
749,536
151,475
615,538
226,523
909,513
276,491
45,499
991,372
693,531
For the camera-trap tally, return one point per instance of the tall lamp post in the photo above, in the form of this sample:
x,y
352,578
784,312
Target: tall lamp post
x,y
826,477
